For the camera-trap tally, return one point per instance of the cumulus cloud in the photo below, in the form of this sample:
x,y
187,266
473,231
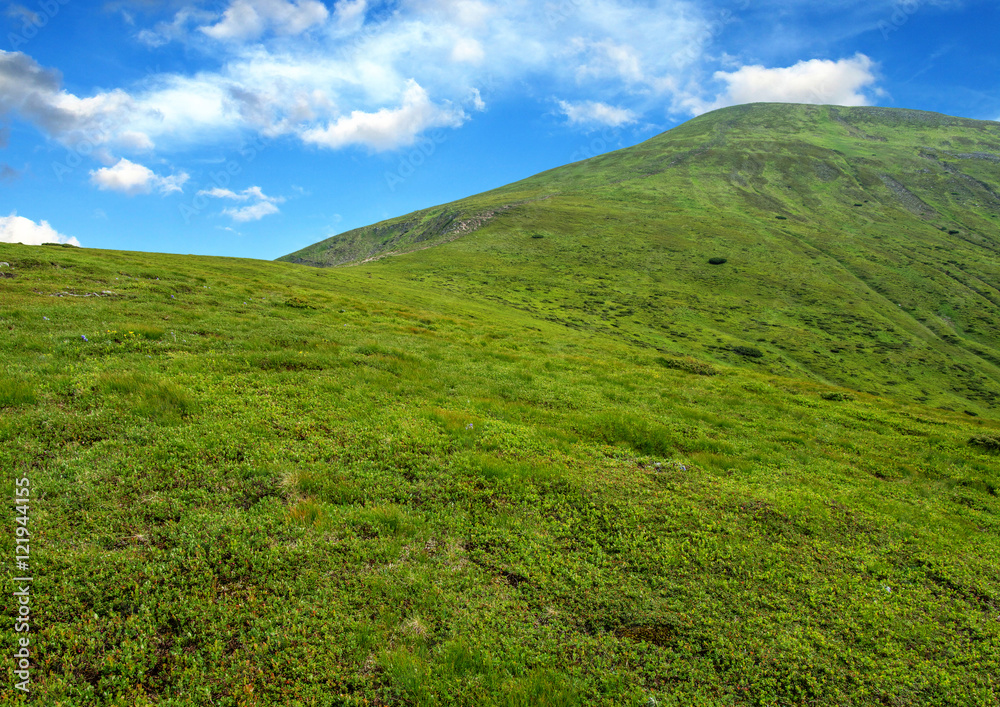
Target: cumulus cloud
x,y
593,113
263,205
387,128
35,93
361,75
18,229
175,30
366,76
376,79
249,19
131,178
819,81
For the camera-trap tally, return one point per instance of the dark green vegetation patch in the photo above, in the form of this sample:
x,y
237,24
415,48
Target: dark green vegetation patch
x,y
689,364
988,442
747,351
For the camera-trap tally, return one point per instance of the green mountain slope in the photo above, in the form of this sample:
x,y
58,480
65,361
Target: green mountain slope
x,y
862,247
256,484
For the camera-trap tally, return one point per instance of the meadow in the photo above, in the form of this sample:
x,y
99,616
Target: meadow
x,y
257,483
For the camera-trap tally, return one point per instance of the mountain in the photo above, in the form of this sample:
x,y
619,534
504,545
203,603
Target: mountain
x,y
862,247
541,464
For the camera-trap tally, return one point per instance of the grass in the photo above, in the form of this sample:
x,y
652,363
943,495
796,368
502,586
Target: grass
x,y
485,473
411,498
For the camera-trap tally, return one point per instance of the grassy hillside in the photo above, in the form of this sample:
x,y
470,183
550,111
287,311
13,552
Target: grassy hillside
x,y
862,248
261,484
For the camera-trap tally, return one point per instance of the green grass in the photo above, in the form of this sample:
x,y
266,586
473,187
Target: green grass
x,y
410,498
510,470
14,393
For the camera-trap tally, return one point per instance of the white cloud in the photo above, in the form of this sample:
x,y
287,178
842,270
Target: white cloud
x,y
608,60
352,81
176,30
349,12
220,193
20,12
374,79
131,178
249,19
173,183
387,129
254,212
248,193
86,124
468,50
592,113
18,229
135,140
819,81
477,100
263,205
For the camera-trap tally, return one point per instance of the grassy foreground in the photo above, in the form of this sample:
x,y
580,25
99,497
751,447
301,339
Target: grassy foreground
x,y
261,484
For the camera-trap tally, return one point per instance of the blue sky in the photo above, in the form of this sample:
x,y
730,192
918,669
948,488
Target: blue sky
x,y
253,128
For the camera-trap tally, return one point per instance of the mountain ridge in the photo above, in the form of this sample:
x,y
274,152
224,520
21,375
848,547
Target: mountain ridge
x,y
721,120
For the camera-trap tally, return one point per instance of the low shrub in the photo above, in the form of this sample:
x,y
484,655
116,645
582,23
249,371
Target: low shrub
x,y
645,437
836,397
689,365
716,261
991,443
298,303
748,351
